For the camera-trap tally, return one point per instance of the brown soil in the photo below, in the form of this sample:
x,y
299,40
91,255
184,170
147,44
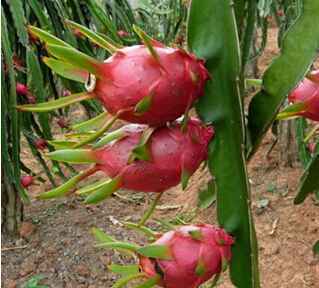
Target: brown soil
x,y
58,244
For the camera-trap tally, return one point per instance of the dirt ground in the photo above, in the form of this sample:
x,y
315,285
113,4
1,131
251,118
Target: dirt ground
x,y
61,248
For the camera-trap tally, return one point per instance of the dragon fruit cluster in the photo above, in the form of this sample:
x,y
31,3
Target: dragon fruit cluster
x,y
150,86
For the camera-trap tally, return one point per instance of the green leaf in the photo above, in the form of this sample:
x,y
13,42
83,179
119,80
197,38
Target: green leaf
x,y
123,281
291,111
148,41
106,126
143,105
62,144
200,269
36,85
46,37
94,37
124,270
91,124
309,181
101,236
33,282
76,156
17,13
206,197
114,135
38,10
66,70
150,282
118,245
155,251
185,178
315,249
212,35
87,189
66,187
141,151
75,58
141,228
285,71
196,234
56,104
104,191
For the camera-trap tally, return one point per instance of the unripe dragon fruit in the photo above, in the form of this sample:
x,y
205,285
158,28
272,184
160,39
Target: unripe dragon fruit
x,y
172,155
197,253
305,99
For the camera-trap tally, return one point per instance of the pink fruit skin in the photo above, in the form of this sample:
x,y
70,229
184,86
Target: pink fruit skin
x,y
312,148
62,123
41,144
209,249
26,181
21,89
307,92
122,33
132,74
171,151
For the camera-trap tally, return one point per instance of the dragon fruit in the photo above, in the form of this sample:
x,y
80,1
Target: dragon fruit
x,y
122,33
197,253
26,181
62,122
305,99
147,84
22,89
172,155
170,85
40,144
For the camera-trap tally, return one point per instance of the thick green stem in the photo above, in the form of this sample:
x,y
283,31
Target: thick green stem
x,y
212,35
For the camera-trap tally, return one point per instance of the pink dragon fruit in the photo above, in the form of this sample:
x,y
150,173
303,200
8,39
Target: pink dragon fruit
x,y
148,84
40,144
197,252
122,33
22,89
173,155
62,122
26,181
170,85
307,94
